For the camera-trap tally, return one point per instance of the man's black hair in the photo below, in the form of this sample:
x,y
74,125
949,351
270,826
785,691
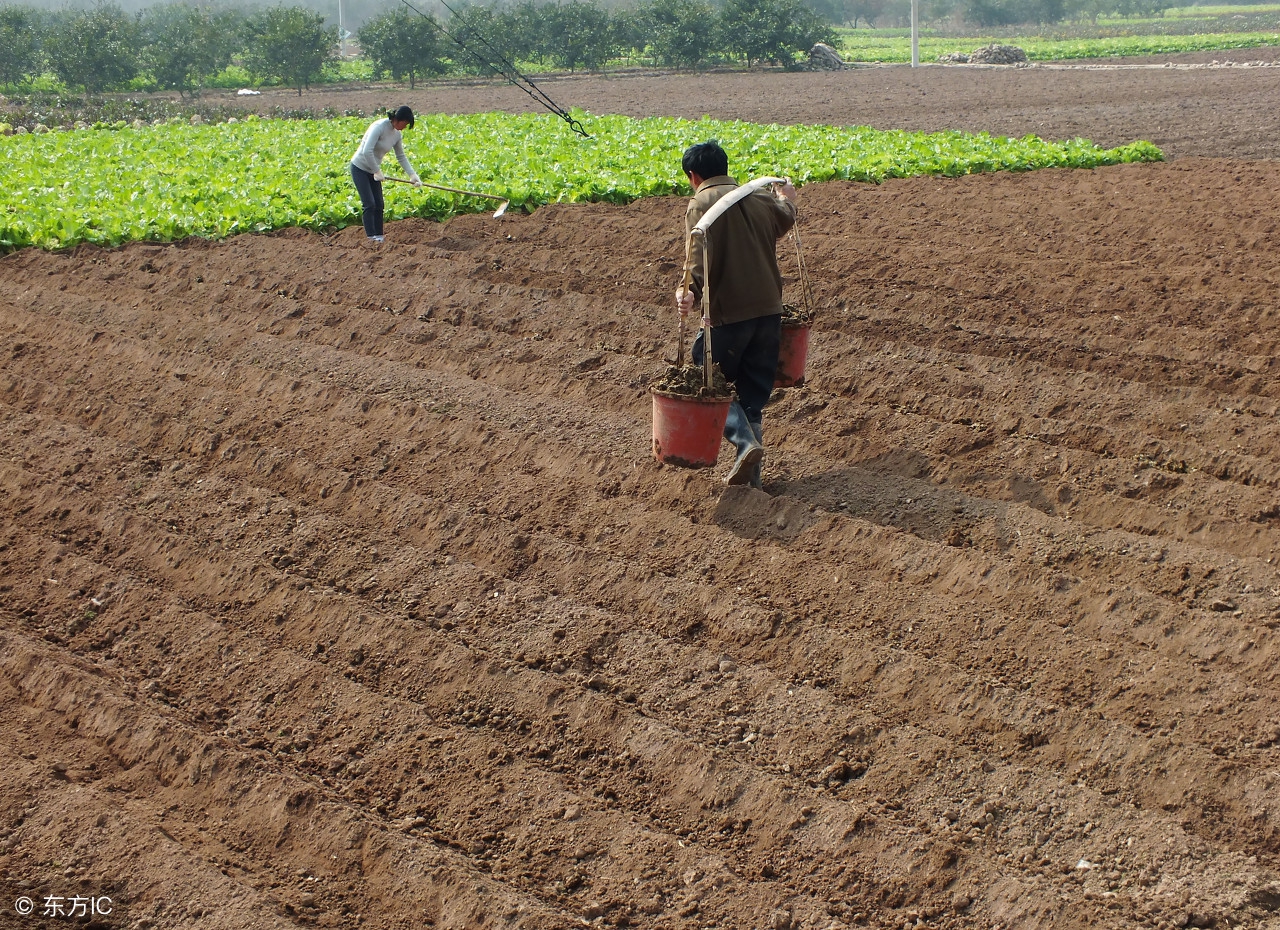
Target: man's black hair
x,y
706,160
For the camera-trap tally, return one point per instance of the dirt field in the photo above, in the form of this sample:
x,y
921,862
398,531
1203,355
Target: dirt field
x,y
339,588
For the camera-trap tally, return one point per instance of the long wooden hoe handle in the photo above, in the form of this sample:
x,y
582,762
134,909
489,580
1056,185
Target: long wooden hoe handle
x,y
457,190
452,190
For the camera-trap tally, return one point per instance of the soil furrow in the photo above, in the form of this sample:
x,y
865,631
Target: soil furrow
x,y
179,562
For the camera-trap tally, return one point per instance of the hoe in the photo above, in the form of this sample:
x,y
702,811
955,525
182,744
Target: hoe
x,y
502,207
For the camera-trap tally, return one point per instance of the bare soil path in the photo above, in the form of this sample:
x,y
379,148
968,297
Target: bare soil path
x,y
338,587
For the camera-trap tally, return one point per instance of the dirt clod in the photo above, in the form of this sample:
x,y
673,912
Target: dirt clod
x,y
690,381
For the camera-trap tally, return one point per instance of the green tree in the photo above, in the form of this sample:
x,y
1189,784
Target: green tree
x,y
20,29
578,35
477,29
771,30
1011,12
851,12
867,10
627,33
184,45
403,44
931,11
95,48
291,45
525,30
681,34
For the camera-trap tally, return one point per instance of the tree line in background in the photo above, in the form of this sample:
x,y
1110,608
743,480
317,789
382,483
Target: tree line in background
x,y
176,46
579,34
180,47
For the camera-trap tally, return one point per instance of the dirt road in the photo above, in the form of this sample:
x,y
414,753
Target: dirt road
x,y
338,587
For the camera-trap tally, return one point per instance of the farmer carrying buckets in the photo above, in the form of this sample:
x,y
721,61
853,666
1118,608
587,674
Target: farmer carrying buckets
x,y
735,276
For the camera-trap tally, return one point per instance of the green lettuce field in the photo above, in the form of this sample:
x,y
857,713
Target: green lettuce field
x,y
1132,39
160,183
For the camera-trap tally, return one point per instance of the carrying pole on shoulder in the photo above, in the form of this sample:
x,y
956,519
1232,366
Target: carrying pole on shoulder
x,y
718,209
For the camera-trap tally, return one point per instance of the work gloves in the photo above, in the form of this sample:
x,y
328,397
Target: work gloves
x,y
379,176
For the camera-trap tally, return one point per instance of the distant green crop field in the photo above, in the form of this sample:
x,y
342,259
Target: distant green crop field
x,y
893,46
1196,12
165,182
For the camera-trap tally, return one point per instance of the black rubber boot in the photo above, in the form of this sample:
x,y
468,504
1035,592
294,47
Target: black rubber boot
x,y
737,429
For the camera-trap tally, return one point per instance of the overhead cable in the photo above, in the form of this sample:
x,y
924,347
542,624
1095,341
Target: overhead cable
x,y
504,68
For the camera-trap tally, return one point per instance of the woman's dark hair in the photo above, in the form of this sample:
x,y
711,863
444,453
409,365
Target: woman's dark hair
x,y
706,159
403,114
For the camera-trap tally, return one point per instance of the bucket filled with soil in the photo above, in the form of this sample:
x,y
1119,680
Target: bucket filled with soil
x,y
691,402
793,351
688,416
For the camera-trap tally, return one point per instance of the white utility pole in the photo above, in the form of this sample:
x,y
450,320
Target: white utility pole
x,y
342,33
915,33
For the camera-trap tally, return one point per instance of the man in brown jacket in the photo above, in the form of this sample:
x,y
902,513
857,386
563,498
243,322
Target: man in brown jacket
x,y
746,294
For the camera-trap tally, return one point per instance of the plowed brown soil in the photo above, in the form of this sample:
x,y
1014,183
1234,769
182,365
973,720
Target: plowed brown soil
x,y
339,588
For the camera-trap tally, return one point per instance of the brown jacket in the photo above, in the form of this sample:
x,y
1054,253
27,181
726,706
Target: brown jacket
x,y
745,281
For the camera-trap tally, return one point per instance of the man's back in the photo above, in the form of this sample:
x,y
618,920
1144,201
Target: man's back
x,y
745,281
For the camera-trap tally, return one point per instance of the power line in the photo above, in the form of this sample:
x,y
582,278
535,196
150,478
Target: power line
x,y
508,69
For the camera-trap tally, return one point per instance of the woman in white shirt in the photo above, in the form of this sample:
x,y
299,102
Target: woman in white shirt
x,y
366,166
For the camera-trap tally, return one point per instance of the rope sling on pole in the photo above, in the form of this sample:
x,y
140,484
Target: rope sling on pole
x,y
508,70
806,292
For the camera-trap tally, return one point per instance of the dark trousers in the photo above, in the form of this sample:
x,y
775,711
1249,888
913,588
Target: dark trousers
x,y
747,353
370,200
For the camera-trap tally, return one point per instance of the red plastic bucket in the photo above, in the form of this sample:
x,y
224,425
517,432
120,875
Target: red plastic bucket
x,y
687,430
791,356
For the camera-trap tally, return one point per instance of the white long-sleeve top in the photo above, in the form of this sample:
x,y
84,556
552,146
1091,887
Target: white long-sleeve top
x,y
379,139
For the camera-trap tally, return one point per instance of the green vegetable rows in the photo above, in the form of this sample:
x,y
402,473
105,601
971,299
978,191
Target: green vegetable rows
x,y
883,46
165,182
